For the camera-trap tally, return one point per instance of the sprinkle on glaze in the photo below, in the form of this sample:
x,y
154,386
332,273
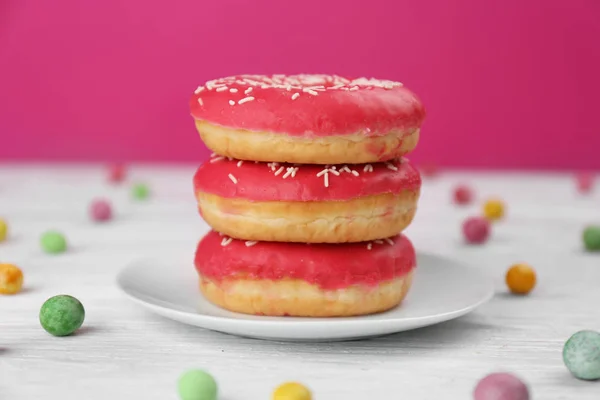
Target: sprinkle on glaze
x,y
308,105
285,182
330,266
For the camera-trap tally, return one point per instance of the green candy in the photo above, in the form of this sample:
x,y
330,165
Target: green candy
x,y
53,242
62,315
140,191
591,238
581,355
196,384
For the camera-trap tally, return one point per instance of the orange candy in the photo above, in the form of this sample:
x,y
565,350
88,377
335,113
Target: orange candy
x,y
11,279
520,278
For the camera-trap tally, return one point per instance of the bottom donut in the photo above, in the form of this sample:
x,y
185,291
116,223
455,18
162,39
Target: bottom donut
x,y
305,280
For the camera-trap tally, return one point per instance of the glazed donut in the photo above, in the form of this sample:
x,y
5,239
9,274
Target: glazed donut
x,y
308,280
307,203
308,119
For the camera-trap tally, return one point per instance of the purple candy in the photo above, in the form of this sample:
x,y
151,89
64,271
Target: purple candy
x,y
501,386
100,210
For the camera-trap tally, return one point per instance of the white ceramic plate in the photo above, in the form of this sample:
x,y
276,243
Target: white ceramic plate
x,y
443,290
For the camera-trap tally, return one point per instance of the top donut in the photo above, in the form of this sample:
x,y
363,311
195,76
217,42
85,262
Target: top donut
x,y
311,119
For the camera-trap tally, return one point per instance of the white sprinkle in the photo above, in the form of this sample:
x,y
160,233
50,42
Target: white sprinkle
x,y
247,91
294,172
213,154
239,164
246,99
229,158
215,159
368,168
273,165
288,172
231,103
295,96
323,172
226,241
333,171
222,89
233,179
310,91
280,170
198,89
233,90
369,246
389,241
200,101
391,166
355,173
250,243
333,168
378,241
326,179
345,169
221,234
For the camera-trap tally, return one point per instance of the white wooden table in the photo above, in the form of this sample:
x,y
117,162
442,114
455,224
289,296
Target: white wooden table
x,y
124,352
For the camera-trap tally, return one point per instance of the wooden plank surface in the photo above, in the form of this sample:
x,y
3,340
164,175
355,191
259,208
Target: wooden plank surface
x,y
124,352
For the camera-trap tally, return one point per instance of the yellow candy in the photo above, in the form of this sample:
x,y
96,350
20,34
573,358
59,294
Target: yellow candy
x,y
292,391
3,230
11,279
493,210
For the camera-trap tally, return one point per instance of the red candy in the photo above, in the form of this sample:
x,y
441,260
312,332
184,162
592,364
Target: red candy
x,y
585,181
429,170
116,173
476,230
100,210
463,195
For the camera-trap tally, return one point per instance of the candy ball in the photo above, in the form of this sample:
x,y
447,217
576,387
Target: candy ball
x,y
53,242
3,230
428,170
62,315
501,386
581,355
520,278
11,279
585,181
197,385
116,173
476,230
140,191
463,195
591,238
100,210
493,209
292,391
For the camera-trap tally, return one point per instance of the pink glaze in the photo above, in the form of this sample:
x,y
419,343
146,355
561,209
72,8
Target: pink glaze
x,y
276,182
329,266
307,105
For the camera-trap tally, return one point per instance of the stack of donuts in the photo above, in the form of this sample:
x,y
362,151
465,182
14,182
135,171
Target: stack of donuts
x,y
307,193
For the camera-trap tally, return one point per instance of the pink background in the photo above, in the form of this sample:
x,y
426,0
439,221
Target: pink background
x,y
512,83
